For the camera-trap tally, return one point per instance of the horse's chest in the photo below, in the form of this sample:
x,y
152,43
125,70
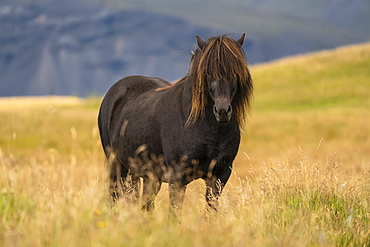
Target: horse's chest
x,y
222,148
217,147
218,153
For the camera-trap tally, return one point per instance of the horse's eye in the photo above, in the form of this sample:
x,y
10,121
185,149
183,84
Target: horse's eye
x,y
210,88
234,89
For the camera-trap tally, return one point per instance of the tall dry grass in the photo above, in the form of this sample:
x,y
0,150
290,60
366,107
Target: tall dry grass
x,y
292,202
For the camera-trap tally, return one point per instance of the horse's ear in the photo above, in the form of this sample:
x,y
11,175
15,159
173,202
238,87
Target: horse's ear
x,y
241,39
200,43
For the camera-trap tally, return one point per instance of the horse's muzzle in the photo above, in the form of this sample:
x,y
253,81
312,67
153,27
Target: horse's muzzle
x,y
222,115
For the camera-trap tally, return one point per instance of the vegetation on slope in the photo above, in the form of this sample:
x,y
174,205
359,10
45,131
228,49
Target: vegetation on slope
x,y
301,177
318,101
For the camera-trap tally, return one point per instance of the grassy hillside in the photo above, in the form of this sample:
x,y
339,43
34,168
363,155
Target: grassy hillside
x,y
301,176
320,102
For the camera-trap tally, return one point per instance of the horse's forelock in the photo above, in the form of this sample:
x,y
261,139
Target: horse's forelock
x,y
222,58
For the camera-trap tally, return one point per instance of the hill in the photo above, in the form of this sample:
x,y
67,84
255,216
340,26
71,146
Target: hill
x,y
332,78
319,102
82,47
301,176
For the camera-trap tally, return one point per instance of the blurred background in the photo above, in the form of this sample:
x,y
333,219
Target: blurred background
x,y
81,47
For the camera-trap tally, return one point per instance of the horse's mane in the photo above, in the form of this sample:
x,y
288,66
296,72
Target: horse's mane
x,y
221,58
169,86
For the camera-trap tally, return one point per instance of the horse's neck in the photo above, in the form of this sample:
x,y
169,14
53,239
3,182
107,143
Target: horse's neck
x,y
187,88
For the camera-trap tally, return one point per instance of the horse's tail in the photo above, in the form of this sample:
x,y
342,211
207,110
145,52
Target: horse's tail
x,y
116,98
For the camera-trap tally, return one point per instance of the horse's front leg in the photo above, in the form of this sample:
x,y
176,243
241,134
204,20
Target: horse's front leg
x,y
215,184
177,194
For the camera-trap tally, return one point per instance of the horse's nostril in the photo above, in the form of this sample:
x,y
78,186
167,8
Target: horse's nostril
x,y
215,111
229,109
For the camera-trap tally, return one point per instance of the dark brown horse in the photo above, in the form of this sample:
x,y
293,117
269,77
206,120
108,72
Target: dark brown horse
x,y
179,132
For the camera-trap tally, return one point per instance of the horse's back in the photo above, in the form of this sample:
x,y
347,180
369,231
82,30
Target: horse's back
x,y
117,97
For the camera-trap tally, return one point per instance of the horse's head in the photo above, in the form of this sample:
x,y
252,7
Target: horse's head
x,y
221,93
220,78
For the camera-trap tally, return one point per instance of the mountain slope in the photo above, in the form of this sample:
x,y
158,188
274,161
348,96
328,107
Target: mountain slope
x,y
67,48
82,47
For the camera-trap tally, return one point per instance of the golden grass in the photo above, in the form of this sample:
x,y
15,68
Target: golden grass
x,y
301,177
20,102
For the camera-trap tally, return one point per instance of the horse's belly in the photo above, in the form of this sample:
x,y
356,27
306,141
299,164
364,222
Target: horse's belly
x,y
139,147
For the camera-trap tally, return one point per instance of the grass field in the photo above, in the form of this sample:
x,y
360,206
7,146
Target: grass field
x,y
301,177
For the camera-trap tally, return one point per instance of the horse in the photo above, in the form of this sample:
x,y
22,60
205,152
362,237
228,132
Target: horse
x,y
180,132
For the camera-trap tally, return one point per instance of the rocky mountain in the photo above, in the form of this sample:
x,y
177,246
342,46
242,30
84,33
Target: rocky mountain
x,y
83,47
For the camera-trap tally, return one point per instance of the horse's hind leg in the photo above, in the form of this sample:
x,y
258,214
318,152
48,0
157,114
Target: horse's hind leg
x,y
151,187
116,170
130,186
122,183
